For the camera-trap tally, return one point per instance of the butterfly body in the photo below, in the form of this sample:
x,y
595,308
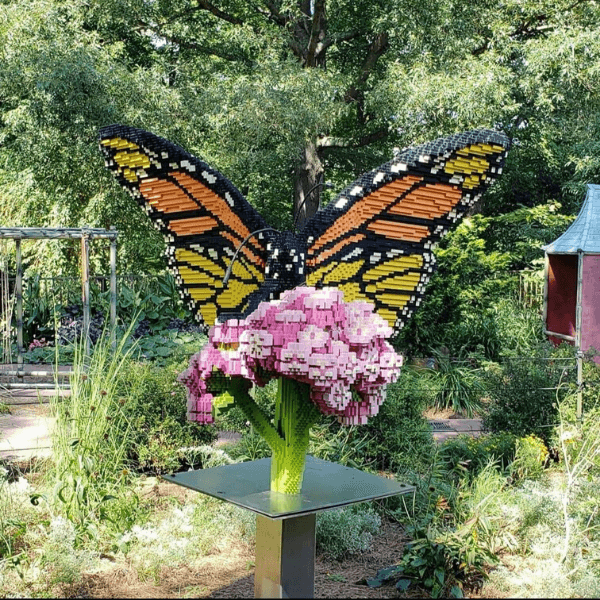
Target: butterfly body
x,y
287,258
374,241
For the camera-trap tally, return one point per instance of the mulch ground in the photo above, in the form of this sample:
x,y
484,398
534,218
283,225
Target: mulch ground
x,y
230,574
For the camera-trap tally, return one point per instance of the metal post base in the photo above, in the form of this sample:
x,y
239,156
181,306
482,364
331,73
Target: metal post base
x,y
285,557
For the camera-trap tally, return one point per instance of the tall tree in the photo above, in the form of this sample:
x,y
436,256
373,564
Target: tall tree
x,y
279,94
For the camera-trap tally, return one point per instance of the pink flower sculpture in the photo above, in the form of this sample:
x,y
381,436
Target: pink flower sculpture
x,y
309,335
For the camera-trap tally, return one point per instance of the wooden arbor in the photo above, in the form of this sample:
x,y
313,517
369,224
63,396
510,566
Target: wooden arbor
x,y
85,234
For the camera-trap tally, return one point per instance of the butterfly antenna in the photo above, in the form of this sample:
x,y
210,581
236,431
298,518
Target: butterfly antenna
x,y
230,267
325,184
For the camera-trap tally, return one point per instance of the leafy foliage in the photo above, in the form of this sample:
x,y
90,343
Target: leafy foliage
x,y
531,454
472,301
455,529
348,530
91,440
155,405
399,435
524,392
459,385
465,455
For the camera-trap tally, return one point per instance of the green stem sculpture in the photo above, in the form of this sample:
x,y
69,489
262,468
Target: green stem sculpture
x,y
287,436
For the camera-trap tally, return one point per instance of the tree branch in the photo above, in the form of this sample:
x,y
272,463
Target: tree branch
x,y
354,92
327,142
316,32
274,14
204,5
377,48
335,39
209,50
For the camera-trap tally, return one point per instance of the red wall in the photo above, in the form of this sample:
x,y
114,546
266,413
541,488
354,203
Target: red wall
x,y
562,294
590,303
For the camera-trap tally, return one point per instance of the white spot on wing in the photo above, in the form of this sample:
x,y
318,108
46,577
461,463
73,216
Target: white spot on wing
x,y
210,178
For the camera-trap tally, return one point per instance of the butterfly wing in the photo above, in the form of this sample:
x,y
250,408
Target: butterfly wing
x,y
203,217
374,241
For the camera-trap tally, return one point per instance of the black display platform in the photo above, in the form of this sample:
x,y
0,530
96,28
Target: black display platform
x,y
326,485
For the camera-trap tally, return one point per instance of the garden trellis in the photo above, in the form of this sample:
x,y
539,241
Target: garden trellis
x,y
86,235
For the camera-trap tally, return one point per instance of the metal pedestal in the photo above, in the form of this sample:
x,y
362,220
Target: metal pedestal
x,y
285,557
285,523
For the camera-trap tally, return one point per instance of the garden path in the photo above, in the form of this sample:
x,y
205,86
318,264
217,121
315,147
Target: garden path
x,y
25,430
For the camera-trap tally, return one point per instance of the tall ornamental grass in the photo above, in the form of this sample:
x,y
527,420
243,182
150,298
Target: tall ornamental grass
x,y
90,475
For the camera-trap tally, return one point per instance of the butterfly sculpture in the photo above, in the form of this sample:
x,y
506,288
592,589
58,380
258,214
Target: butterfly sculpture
x,y
373,242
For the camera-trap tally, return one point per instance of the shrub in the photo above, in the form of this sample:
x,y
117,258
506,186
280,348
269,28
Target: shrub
x,y
455,534
63,561
340,444
458,383
184,534
443,564
399,436
14,517
155,405
347,530
524,393
252,446
465,454
168,346
530,457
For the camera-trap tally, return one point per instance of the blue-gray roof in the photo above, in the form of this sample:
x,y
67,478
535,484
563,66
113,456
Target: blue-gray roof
x,y
584,233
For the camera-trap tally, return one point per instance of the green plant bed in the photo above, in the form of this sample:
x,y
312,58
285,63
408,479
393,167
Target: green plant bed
x,y
63,354
348,530
168,346
155,405
524,393
399,436
466,455
457,384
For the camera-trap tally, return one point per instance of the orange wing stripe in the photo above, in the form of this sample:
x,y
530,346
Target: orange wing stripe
x,y
399,231
327,253
245,250
213,203
364,209
165,196
428,201
193,226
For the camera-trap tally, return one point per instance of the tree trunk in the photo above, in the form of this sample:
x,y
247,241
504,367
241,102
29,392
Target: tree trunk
x,y
307,192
